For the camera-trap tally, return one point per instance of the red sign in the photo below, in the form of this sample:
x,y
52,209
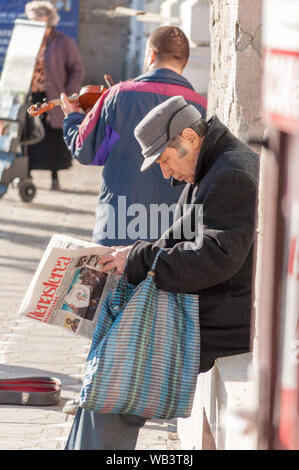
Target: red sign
x,y
281,64
281,90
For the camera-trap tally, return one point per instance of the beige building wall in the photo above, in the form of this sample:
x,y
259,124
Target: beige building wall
x,y
236,65
102,41
234,94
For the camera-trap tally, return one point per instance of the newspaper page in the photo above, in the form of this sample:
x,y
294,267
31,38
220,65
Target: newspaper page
x,y
68,286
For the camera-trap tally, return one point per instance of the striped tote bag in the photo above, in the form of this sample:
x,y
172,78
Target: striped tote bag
x,y
144,356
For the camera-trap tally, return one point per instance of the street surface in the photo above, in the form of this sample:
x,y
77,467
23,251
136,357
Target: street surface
x,y
28,348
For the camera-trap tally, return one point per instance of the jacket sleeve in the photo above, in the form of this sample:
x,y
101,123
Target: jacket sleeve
x,y
90,138
217,255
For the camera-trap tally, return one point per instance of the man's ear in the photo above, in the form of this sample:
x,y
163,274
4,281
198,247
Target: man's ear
x,y
151,56
191,136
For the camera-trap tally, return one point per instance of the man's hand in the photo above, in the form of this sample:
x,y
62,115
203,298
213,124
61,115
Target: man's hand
x,y
115,261
69,107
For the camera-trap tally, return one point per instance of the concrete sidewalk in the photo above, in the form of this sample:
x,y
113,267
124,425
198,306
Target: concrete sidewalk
x,y
30,348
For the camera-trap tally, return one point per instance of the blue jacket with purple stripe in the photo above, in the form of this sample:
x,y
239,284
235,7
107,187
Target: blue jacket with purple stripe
x,y
129,201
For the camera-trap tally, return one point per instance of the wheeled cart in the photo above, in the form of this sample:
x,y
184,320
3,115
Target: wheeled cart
x,y
16,169
15,86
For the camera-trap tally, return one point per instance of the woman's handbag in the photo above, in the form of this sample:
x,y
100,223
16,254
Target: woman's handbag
x,y
144,356
33,131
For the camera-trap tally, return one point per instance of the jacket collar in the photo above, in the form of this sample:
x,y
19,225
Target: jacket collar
x,y
164,75
216,140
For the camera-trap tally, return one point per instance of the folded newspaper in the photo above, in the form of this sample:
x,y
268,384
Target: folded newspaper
x,y
68,286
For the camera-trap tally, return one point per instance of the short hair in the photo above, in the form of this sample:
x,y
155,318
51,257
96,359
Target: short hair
x,y
200,127
176,143
170,44
40,8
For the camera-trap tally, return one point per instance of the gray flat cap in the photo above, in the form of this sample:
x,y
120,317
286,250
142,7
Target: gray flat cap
x,y
161,125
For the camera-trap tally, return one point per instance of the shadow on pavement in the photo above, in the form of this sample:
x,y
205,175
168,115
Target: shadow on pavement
x,y
36,241
18,267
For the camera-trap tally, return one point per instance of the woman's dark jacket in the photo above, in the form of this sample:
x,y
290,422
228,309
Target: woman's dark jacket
x,y
219,269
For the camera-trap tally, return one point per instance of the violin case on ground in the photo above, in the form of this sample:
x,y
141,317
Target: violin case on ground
x,y
30,391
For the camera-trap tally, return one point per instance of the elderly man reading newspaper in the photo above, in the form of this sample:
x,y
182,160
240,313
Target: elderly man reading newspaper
x,y
216,264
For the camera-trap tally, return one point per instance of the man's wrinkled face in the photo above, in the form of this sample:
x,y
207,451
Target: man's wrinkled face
x,y
178,163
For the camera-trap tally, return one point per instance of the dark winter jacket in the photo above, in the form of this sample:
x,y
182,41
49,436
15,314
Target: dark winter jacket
x,y
64,72
219,270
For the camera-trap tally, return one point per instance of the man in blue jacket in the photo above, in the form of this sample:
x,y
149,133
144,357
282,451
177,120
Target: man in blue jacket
x,y
106,137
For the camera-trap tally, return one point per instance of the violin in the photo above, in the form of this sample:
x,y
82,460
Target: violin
x,y
87,98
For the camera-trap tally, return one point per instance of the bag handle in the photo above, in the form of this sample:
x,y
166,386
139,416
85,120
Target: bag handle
x,y
122,283
151,272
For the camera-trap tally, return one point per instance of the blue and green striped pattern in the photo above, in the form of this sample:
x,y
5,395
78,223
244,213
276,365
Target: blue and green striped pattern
x,y
144,357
